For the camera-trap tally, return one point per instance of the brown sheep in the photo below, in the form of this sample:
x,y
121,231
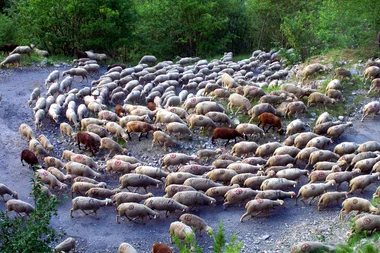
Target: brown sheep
x,y
160,248
30,158
341,72
226,133
140,127
119,110
86,139
271,119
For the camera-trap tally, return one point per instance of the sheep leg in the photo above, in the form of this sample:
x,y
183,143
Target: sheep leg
x,y
2,196
226,143
140,136
129,135
84,212
96,214
311,200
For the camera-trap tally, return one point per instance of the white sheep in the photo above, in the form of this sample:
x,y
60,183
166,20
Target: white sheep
x,y
52,77
39,52
66,84
113,146
19,207
239,101
34,96
82,112
38,117
12,59
87,203
21,50
76,72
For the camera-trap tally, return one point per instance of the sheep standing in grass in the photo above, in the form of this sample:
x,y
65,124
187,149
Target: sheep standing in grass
x,y
312,69
12,59
21,50
180,230
239,101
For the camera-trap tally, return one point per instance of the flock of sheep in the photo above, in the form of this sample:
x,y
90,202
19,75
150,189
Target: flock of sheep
x,y
171,100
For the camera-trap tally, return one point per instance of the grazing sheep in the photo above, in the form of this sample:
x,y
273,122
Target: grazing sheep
x,y
329,197
239,101
313,190
140,127
86,203
226,133
228,81
361,182
273,121
66,129
37,148
66,246
375,85
261,108
371,72
317,97
21,50
201,121
312,247
343,73
19,207
79,169
335,94
260,205
368,222
45,142
134,210
196,222
113,146
180,230
30,158
312,69
163,116
163,139
5,190
359,204
296,107
126,248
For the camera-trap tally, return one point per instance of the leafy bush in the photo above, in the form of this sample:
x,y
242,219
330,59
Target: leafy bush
x,y
33,234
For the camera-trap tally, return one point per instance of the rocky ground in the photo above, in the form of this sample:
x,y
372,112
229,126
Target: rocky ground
x,y
276,233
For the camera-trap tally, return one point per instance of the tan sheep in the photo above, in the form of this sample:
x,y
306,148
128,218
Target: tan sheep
x,y
221,175
5,190
178,128
182,113
280,160
290,150
312,247
228,81
362,156
366,165
53,162
108,115
26,131
304,154
317,97
312,69
322,155
372,107
329,197
361,182
238,195
346,148
177,177
87,121
239,101
323,118
76,72
113,146
164,204
66,129
45,142
219,191
193,199
66,154
319,176
296,107
292,174
163,139
120,166
126,248
319,142
377,193
163,116
219,117
277,184
172,189
275,194
255,181
313,190
86,203
359,204
86,160
249,129
50,179
19,207
150,171
125,158
200,184
371,72
195,222
336,131
134,210
124,197
368,222
79,169
177,159
375,85
66,246
85,179
116,129
201,121
267,149
244,148
11,59
59,175
260,205
180,230
38,118
138,181
101,193
208,106
208,153
80,188
369,146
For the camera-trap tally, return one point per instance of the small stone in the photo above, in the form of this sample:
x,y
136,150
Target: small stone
x,y
341,117
265,237
353,93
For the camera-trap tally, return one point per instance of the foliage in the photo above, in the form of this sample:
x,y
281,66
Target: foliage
x,y
6,29
290,56
220,244
360,242
32,234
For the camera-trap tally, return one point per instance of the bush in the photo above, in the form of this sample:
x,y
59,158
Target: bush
x,y
33,234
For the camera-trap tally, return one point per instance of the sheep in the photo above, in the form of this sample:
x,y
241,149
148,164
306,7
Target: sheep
x,y
5,190
296,107
260,205
101,193
196,222
313,190
150,171
134,210
78,169
129,159
38,118
87,203
292,173
275,194
34,96
371,72
290,150
323,127
50,179
333,84
19,207
317,97
177,178
180,230
201,184
193,199
76,72
359,204
249,129
280,160
239,101
86,139
53,77
126,248
182,113
366,165
85,122
267,149
220,163
45,142
312,69
30,158
304,154
40,104
196,169
238,195
37,148
124,197
176,159
272,99
86,160
21,50
220,93
124,120
244,148
163,138
66,84
362,156
66,246
66,154
163,116
273,121
228,81
120,166
336,131
343,73
369,146
226,133
277,184
319,142
66,129
297,91
137,180
328,197
116,129
312,247
192,102
301,140
361,182
322,155
26,131
59,175
219,117
99,130
140,127
208,153
54,112
334,94
261,108
368,222
164,204
375,85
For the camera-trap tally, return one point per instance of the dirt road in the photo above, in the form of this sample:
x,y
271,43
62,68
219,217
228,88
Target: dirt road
x,y
273,234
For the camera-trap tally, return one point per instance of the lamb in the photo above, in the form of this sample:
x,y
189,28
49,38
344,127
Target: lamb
x,y
277,184
239,101
312,69
21,50
66,246
371,72
329,197
261,108
238,195
176,159
78,169
267,149
59,175
126,248
196,222
50,179
273,121
134,210
201,121
244,148
122,167
5,190
296,107
30,158
193,199
137,180
359,204
361,182
226,133
53,77
37,148
368,222
19,207
313,190
140,127
26,131
86,203
76,72
260,205
317,97
164,204
180,230
312,247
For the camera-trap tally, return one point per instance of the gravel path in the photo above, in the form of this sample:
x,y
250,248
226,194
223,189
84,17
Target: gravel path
x,y
276,233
